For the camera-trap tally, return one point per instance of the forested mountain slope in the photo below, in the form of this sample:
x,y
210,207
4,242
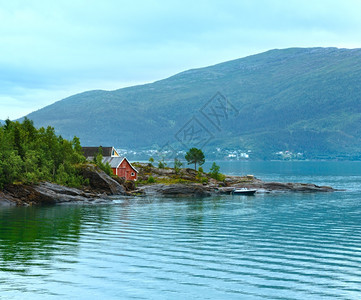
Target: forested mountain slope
x,y
300,99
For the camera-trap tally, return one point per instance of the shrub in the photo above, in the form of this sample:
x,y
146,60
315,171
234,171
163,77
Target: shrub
x,y
204,180
151,179
98,159
161,164
177,165
221,177
215,173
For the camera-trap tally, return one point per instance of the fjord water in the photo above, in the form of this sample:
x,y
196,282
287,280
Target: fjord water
x,y
270,246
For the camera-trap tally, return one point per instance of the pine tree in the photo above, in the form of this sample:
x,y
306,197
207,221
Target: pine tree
x,y
194,156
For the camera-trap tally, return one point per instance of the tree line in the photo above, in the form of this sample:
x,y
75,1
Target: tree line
x,y
29,155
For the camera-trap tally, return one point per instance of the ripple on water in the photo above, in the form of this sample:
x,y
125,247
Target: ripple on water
x,y
283,246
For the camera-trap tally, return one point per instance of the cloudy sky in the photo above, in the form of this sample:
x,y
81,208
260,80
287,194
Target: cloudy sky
x,y
53,49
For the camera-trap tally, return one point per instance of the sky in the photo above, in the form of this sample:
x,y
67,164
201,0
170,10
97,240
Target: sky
x,y
54,49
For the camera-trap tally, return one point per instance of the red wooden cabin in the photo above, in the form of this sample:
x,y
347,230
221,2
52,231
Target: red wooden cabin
x,y
120,165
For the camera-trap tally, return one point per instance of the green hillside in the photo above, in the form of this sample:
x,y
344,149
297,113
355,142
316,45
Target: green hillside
x,y
299,99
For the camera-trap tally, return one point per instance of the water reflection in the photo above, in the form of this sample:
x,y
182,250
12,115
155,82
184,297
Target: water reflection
x,y
29,234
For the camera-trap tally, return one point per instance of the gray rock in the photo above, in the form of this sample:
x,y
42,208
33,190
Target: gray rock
x,y
61,194
101,182
285,187
6,200
178,189
101,185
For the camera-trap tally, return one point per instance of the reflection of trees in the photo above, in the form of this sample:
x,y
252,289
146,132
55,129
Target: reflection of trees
x,y
195,215
34,233
197,220
38,235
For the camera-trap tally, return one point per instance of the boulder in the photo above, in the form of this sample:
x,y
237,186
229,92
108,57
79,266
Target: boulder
x,y
162,172
7,200
100,182
129,185
60,194
45,193
26,195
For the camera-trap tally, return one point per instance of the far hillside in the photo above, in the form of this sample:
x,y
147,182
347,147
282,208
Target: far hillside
x,y
304,100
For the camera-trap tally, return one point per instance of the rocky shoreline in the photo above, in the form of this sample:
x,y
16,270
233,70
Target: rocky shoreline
x,y
211,186
102,186
183,190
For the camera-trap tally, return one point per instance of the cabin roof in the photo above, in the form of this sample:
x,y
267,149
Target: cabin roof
x,y
92,151
114,162
110,155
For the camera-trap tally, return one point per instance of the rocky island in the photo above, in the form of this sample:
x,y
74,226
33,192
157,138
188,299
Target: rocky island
x,y
37,167
188,182
153,181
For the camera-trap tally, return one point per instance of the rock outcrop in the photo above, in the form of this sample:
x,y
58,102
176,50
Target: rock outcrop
x,y
100,187
45,193
293,187
20,194
101,182
210,186
198,190
267,187
176,190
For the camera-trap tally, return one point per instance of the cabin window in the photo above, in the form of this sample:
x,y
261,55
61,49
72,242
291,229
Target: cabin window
x,y
132,174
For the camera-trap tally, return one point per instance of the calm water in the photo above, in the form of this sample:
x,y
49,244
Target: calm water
x,y
271,246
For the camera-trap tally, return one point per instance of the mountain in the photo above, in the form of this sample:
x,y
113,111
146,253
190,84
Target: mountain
x,y
299,99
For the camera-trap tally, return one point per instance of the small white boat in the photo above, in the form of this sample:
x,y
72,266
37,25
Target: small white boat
x,y
244,191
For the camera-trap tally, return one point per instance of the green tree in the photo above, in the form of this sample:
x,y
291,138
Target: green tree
x,y
10,167
31,165
214,172
29,155
98,159
194,156
177,165
17,142
151,161
77,155
161,164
